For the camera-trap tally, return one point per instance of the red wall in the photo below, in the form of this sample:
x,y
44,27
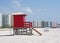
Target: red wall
x,y
19,20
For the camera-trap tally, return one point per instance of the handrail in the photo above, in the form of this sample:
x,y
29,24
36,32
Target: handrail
x,y
27,24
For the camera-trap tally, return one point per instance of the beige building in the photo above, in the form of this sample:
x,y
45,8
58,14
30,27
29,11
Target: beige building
x,y
53,24
0,20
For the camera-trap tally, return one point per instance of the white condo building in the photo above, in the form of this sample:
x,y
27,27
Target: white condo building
x,y
0,20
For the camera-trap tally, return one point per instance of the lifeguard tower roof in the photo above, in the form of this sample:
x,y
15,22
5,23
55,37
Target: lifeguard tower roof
x,y
19,13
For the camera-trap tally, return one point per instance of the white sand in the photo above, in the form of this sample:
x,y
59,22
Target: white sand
x,y
50,36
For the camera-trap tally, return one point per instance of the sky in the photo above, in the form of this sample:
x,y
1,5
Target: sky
x,y
41,10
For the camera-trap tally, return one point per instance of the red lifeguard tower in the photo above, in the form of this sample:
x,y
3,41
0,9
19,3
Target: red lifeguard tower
x,y
20,26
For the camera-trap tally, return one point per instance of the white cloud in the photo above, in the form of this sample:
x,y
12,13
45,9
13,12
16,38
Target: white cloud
x,y
18,5
27,9
42,10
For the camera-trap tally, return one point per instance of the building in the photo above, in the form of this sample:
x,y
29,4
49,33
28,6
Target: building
x,y
53,24
10,20
39,24
35,24
58,25
5,20
0,20
44,24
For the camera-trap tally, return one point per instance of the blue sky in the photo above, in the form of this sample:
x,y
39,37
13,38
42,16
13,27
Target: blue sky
x,y
42,10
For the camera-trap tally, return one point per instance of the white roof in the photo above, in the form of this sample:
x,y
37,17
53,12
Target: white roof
x,y
17,13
